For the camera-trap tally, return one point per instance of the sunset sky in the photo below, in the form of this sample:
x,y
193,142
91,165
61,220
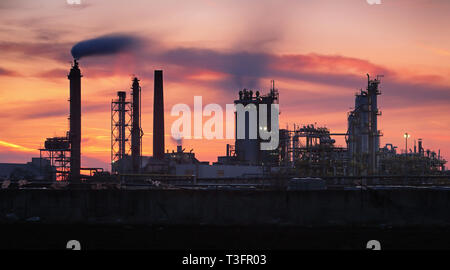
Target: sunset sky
x,y
318,53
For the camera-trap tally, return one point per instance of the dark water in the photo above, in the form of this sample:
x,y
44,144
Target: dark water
x,y
41,236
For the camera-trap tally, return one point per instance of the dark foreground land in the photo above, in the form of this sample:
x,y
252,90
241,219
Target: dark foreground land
x,y
399,218
92,237
376,208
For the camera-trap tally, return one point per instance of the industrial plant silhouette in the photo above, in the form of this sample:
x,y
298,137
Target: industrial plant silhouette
x,y
303,151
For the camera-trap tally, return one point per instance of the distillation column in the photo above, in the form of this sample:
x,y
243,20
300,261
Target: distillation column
x,y
374,145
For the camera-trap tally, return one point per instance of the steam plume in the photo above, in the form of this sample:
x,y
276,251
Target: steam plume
x,y
104,45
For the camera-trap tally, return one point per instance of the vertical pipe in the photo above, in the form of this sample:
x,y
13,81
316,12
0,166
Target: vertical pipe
x,y
158,116
136,127
75,122
122,124
420,146
112,136
372,93
370,130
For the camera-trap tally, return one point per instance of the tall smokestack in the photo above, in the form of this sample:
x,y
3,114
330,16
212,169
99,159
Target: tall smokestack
x,y
136,127
158,116
75,122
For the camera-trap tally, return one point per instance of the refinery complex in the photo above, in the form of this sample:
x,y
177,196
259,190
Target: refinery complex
x,y
303,151
225,133
306,182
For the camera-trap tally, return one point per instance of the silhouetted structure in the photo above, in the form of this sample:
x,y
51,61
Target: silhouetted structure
x,y
56,151
37,169
136,130
158,116
363,134
75,122
120,130
248,150
306,150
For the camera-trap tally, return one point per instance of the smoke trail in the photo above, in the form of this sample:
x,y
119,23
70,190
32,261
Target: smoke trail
x,y
245,68
104,45
177,138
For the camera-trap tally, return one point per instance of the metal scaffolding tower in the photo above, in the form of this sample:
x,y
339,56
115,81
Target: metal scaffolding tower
x,y
120,132
57,151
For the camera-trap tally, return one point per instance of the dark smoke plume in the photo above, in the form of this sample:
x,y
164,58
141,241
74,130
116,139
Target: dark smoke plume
x,y
110,44
244,67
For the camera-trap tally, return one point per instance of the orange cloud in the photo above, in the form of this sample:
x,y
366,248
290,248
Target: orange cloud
x,y
16,147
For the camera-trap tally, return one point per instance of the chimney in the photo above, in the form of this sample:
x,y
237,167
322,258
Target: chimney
x,y
158,116
75,122
136,130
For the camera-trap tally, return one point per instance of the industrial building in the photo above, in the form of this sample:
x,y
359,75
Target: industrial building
x,y
247,151
306,150
37,169
303,151
177,163
363,136
64,153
